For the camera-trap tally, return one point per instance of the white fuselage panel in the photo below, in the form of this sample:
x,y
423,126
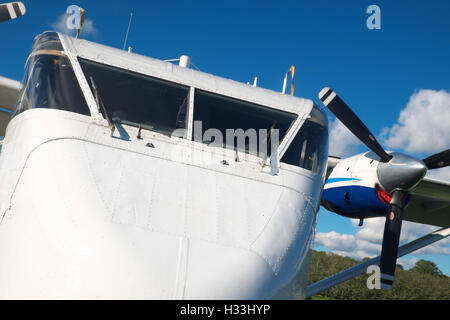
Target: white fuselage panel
x,y
89,216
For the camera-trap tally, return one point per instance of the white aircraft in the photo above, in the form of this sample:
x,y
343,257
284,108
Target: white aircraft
x,y
99,199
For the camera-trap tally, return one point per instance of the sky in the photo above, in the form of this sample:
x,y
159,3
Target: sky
x,y
395,78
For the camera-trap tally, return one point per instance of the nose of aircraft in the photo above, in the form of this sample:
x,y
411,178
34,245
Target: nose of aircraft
x,y
401,172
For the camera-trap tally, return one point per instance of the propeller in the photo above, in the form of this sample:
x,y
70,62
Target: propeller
x,y
352,122
391,238
12,10
398,174
439,160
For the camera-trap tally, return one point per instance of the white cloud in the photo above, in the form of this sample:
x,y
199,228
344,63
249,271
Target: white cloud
x,y
408,263
423,126
372,229
440,174
88,27
343,143
336,241
61,25
367,240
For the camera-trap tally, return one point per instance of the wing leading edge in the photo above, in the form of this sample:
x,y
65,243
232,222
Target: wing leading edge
x,y
430,203
9,90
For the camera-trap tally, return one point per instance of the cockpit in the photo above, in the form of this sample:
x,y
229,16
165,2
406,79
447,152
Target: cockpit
x,y
49,80
170,107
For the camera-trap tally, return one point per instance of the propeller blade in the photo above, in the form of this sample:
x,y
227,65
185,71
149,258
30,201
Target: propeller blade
x,y
391,239
340,109
12,10
438,160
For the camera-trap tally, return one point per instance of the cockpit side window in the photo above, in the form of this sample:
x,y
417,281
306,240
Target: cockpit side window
x,y
139,100
309,149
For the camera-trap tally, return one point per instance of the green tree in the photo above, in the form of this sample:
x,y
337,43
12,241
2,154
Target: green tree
x,y
408,284
427,267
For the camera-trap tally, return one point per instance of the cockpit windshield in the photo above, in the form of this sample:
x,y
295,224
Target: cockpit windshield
x,y
158,105
139,100
49,80
240,125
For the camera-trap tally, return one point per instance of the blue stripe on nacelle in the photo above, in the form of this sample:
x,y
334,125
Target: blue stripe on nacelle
x,y
331,180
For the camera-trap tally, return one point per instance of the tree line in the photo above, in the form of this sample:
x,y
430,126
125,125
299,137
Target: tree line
x,y
422,282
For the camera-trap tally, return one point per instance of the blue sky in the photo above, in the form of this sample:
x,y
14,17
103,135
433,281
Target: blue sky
x,y
377,72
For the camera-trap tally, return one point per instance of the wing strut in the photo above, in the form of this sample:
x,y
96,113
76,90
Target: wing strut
x,y
361,268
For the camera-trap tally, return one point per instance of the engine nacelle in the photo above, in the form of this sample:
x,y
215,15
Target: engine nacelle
x,y
353,189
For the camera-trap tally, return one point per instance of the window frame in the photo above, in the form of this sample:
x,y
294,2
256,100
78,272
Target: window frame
x,y
290,135
297,167
146,76
297,120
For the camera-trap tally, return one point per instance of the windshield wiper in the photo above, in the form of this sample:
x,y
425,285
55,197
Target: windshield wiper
x,y
181,112
101,105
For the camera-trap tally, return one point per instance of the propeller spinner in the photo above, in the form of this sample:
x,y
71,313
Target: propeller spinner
x,y
398,174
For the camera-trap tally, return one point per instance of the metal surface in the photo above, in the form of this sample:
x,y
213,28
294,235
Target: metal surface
x,y
401,172
109,218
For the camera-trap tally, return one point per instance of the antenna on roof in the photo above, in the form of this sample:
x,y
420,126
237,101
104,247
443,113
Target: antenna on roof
x,y
128,30
292,72
81,22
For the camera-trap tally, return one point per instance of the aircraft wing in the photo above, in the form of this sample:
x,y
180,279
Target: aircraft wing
x,y
430,203
9,90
